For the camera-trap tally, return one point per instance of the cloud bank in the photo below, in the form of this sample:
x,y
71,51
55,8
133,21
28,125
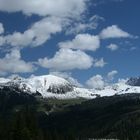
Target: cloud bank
x,y
61,8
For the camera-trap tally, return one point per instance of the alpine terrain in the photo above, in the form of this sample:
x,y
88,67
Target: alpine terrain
x,y
51,108
49,86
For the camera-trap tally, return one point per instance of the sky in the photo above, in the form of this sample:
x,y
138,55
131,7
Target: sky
x,y
81,40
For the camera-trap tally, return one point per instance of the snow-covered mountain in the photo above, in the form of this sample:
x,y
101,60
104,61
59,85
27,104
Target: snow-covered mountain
x,y
50,86
118,89
134,81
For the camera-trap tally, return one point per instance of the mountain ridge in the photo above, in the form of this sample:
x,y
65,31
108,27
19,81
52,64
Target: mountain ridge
x,y
50,86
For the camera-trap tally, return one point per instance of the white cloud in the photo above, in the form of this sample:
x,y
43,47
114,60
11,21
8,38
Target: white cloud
x,y
57,15
100,63
18,39
111,75
67,59
68,77
96,82
113,47
1,29
12,63
99,82
38,34
61,8
82,42
113,32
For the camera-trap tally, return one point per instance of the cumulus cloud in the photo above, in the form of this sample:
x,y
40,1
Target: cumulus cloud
x,y
57,14
113,47
113,32
12,63
99,82
38,34
61,8
67,59
111,75
96,82
68,77
1,29
82,42
100,63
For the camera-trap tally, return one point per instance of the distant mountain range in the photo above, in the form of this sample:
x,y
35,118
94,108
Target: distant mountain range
x,y
49,86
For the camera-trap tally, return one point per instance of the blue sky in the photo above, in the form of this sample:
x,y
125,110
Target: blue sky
x,y
79,39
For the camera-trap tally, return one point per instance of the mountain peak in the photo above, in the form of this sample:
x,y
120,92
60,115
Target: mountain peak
x,y
48,80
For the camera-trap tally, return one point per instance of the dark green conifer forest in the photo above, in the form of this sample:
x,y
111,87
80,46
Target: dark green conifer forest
x,y
25,117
